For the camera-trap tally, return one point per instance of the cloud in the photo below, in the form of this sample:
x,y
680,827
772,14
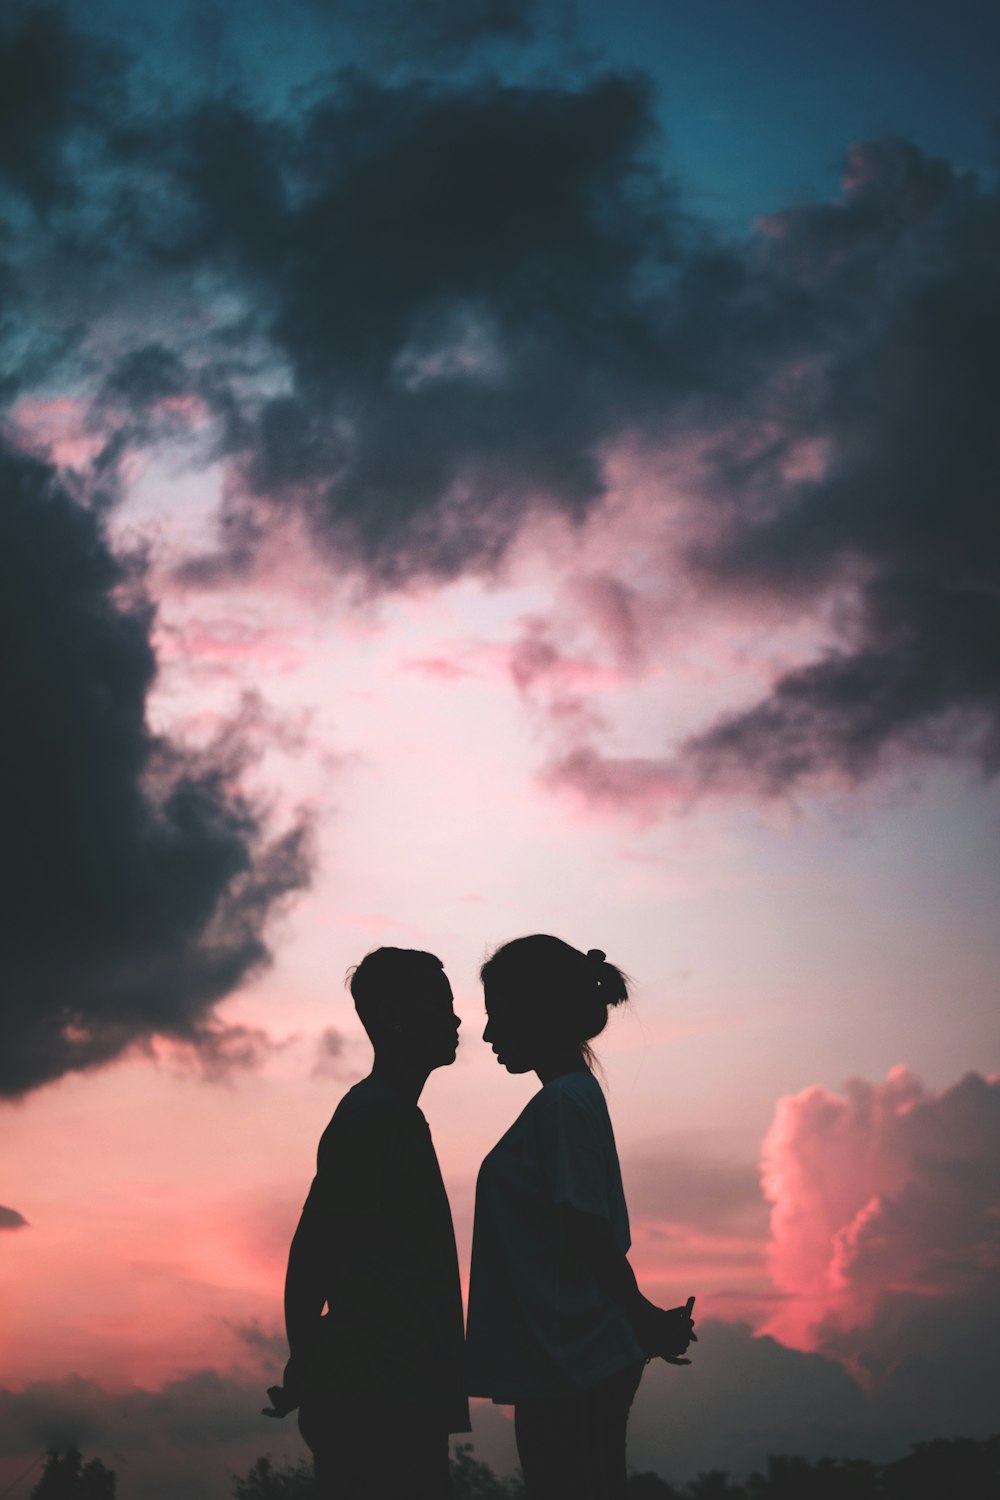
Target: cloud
x,y
55,85
330,1061
885,1231
890,393
635,785
453,373
188,1437
273,1345
137,879
420,316
742,1398
683,1183
844,463
11,1219
442,34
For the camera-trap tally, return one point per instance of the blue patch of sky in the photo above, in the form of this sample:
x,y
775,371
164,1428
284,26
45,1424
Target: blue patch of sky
x,y
759,99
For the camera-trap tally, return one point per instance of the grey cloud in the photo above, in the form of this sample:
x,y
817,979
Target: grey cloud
x,y
11,1219
136,884
442,34
851,457
427,309
898,385
56,84
188,1437
330,1061
271,1346
742,1398
459,353
682,1183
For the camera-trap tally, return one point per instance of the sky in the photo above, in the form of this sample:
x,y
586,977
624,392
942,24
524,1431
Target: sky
x,y
476,469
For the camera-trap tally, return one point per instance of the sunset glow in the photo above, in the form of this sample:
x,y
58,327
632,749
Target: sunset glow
x,y
448,491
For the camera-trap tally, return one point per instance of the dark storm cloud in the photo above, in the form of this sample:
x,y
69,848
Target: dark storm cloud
x,y
901,294
743,1398
11,1219
421,312
56,83
442,33
136,880
456,289
845,380
199,1410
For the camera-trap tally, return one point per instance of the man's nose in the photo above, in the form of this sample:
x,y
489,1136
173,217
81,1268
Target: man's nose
x,y
486,1032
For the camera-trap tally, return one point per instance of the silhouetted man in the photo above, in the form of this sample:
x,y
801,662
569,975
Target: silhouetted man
x,y
379,1379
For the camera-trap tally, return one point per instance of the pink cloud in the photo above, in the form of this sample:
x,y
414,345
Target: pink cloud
x,y
439,668
59,426
885,1203
641,788
223,644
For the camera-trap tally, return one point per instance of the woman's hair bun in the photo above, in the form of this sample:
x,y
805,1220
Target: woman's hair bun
x,y
612,985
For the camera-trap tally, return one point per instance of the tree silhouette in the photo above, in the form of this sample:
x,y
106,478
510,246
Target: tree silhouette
x,y
67,1477
715,1485
966,1468
472,1480
265,1482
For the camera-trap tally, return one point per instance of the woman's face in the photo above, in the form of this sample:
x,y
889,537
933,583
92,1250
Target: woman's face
x,y
507,1030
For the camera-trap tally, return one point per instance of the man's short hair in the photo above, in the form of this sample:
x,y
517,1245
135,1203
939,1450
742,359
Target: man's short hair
x,y
385,974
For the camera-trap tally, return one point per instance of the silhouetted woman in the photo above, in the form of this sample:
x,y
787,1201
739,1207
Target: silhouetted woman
x,y
557,1325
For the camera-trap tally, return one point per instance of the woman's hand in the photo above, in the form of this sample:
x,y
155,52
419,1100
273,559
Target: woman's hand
x,y
665,1333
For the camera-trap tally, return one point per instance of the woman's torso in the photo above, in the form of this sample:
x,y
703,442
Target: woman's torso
x,y
539,1325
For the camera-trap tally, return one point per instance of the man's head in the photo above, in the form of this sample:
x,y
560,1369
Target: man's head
x,y
405,1004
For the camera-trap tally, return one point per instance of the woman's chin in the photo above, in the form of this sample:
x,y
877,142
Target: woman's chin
x,y
513,1065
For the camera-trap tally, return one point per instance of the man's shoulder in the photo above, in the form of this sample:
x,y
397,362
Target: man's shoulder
x,y
367,1118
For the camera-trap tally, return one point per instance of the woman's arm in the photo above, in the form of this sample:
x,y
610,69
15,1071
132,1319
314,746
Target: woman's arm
x,y
661,1332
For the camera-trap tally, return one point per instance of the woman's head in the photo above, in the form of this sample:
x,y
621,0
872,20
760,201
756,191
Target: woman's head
x,y
544,996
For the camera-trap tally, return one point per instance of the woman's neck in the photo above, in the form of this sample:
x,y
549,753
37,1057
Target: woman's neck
x,y
556,1063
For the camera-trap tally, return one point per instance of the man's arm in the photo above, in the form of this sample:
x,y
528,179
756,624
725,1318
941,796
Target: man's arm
x,y
304,1299
305,1295
661,1332
337,1228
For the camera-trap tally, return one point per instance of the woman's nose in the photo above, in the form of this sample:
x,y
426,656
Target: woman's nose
x,y
486,1032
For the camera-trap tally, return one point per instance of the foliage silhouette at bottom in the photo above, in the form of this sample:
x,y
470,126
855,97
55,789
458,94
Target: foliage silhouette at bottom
x,y
963,1468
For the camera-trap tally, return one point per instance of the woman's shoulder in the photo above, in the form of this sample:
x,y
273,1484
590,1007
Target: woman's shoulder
x,y
571,1094
580,1084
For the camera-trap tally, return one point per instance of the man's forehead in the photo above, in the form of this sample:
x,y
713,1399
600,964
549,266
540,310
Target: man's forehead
x,y
431,990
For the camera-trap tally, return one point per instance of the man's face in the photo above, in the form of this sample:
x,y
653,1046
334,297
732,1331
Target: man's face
x,y
428,1023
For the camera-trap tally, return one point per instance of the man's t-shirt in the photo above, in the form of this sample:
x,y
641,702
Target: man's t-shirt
x,y
539,1324
380,1212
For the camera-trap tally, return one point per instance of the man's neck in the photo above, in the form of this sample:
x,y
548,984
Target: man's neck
x,y
400,1076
